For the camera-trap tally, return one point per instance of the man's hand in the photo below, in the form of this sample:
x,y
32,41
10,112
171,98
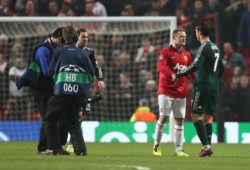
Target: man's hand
x,y
174,79
101,85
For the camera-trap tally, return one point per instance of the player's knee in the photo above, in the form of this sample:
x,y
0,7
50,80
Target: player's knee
x,y
163,119
179,121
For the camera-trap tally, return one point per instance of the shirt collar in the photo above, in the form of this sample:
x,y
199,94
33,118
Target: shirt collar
x,y
51,42
171,46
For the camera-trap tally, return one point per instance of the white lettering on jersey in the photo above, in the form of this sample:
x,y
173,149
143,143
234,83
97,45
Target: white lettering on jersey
x,y
179,67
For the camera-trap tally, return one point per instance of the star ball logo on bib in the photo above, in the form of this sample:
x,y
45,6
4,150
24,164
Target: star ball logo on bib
x,y
72,68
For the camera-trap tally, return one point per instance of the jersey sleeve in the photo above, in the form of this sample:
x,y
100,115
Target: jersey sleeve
x,y
198,60
89,65
192,75
53,62
189,70
42,56
162,64
98,70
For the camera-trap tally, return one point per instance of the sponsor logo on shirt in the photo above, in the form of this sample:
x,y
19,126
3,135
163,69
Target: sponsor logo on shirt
x,y
179,67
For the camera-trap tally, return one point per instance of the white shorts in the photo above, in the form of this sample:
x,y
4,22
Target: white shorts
x,y
168,104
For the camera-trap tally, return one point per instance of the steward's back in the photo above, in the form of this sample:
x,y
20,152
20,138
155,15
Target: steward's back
x,y
72,71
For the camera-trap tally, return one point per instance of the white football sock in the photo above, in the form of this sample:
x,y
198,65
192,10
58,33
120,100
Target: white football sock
x,y
158,132
179,135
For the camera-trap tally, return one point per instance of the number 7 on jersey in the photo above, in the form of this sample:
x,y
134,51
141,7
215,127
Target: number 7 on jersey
x,y
217,56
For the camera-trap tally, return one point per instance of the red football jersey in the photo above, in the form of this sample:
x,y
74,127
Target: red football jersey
x,y
171,61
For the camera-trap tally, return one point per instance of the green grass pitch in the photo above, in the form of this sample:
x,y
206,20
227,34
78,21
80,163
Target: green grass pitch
x,y
130,156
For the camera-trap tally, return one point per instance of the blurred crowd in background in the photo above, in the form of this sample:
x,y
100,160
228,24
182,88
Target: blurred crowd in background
x,y
129,65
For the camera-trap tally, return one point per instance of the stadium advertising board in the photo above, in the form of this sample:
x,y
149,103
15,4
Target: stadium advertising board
x,y
123,132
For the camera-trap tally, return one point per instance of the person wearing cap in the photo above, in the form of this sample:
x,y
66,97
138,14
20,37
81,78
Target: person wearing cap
x,y
36,77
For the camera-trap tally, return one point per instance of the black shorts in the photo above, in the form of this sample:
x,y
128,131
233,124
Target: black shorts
x,y
203,102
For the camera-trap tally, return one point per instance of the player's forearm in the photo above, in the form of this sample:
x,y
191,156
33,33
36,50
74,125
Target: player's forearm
x,y
92,57
189,70
98,73
91,69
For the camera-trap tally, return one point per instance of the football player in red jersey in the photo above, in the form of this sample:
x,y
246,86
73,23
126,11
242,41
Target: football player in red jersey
x,y
172,95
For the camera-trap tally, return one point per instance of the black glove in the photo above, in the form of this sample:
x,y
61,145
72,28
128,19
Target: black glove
x,y
86,107
96,98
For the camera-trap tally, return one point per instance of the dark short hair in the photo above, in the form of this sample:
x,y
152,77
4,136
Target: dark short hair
x,y
78,32
57,33
203,28
69,34
177,30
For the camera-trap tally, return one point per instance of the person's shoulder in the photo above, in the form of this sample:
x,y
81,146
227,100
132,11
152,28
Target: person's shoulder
x,y
211,46
166,48
84,52
205,46
42,51
185,51
58,49
164,51
88,49
69,47
42,48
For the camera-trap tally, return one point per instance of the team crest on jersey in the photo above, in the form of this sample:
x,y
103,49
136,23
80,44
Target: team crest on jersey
x,y
161,57
185,58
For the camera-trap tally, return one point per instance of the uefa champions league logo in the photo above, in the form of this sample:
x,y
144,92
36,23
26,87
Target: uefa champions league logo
x,y
72,68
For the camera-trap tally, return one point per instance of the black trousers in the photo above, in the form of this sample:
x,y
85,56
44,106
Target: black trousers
x,y
67,106
42,98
